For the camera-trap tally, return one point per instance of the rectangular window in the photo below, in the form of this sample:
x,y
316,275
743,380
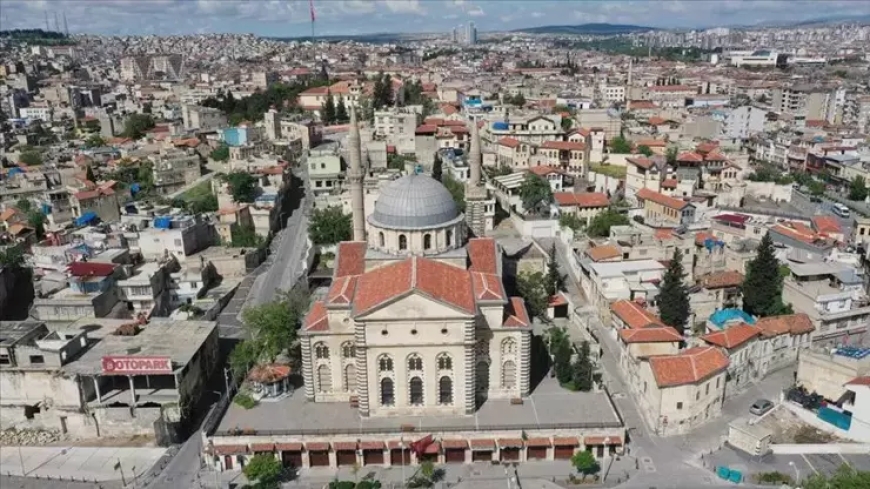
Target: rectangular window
x,y
707,390
679,405
37,359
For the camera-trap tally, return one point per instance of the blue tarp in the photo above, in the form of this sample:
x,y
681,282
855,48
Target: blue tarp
x,y
85,218
501,126
15,171
836,418
134,188
162,222
722,316
46,209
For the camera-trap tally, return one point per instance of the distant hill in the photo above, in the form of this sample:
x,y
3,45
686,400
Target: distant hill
x,y
588,29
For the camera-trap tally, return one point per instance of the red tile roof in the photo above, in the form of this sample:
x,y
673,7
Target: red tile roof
x,y
694,157
91,269
662,199
718,280
826,224
670,183
426,129
487,287
604,252
509,142
642,104
382,284
516,315
317,318
483,254
634,315
689,366
350,258
483,444
860,381
342,289
665,334
733,336
641,161
790,323
564,145
581,199
542,170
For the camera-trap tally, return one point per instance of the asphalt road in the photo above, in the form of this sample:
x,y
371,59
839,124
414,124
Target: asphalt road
x,y
802,201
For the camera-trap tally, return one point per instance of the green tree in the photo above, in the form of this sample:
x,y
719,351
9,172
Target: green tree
x,y
36,220
243,186
583,372
536,194
846,477
137,125
560,349
30,157
645,150
858,188
382,92
95,141
245,237
674,308
12,257
437,167
567,123
620,145
201,205
327,115
816,187
533,289
456,189
272,328
571,221
600,225
519,100
671,155
341,112
264,470
555,280
330,225
24,205
89,174
221,153
762,287
585,463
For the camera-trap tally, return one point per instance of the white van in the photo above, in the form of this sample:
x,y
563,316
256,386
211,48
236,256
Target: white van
x,y
841,210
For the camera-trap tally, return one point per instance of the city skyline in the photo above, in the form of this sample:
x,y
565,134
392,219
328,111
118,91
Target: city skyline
x,y
291,18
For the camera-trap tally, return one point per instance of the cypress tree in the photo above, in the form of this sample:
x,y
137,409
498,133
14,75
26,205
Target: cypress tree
x,y
341,112
674,306
328,114
89,174
555,280
762,287
437,167
583,370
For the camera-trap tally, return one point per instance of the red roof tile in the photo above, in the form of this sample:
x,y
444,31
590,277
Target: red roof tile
x,y
542,170
91,269
564,145
641,162
262,447
483,444
230,449
289,447
454,444
487,286
516,315
382,284
670,183
604,252
662,199
426,129
860,381
826,224
733,336
692,156
371,445
350,258
602,440
510,442
789,323
342,289
665,334
538,442
641,104
509,142
566,441
445,283
634,315
581,199
344,445
483,254
718,280
317,446
317,318
689,366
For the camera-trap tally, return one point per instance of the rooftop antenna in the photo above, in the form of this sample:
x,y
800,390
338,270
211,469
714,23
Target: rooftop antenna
x,y
65,25
313,17
47,28
56,23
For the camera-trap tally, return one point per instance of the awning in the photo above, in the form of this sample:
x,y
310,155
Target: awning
x,y
320,446
569,441
262,447
481,444
230,449
396,445
289,447
510,443
371,445
538,442
344,445
602,440
454,444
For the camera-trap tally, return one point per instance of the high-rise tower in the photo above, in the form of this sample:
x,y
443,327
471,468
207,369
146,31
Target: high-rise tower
x,y
355,175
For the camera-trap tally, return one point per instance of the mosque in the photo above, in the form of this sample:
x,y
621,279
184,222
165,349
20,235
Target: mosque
x,y
417,352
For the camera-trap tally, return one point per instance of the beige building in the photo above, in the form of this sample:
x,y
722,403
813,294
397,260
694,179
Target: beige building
x,y
659,209
827,371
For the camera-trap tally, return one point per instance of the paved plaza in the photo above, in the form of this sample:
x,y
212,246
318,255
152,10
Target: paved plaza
x,y
78,463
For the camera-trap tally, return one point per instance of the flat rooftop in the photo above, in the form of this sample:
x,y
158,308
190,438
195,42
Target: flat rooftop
x,y
549,407
179,340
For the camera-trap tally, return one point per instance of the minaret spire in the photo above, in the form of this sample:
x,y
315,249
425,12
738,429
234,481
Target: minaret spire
x,y
475,158
355,175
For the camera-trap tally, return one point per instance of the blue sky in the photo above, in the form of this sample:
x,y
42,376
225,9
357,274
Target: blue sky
x,y
291,17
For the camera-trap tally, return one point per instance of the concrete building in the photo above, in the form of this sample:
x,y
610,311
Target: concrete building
x,y
742,122
179,236
78,380
174,168
397,127
325,171
661,210
90,291
827,371
203,118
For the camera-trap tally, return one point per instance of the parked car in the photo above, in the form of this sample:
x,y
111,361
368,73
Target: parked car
x,y
760,407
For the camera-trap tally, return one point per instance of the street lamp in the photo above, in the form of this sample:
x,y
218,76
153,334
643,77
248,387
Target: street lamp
x,y
797,472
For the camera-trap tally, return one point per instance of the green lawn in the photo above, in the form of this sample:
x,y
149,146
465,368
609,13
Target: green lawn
x,y
198,192
609,170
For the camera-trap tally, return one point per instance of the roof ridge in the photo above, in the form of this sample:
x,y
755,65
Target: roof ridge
x,y
413,272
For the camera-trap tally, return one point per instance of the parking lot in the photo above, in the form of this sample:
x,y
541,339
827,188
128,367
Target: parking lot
x,y
794,465
78,463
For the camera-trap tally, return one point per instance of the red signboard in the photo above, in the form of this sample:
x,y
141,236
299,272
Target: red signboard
x,y
129,365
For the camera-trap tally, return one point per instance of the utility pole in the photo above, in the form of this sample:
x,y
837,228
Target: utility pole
x,y
65,25
56,24
47,28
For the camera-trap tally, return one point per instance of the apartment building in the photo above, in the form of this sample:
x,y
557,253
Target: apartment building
x,y
174,168
583,205
610,94
741,122
90,291
232,218
397,127
607,282
669,96
177,235
808,101
201,118
534,130
644,173
832,295
570,156
325,169
513,154
661,210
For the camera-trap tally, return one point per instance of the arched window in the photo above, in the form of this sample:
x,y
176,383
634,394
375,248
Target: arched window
x,y
449,237
416,390
445,391
385,364
403,242
427,241
348,350
508,375
388,396
508,346
321,351
445,362
381,239
349,380
415,362
324,379
481,373
481,348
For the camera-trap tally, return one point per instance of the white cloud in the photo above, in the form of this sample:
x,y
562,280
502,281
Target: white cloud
x,y
358,6
537,15
476,12
404,6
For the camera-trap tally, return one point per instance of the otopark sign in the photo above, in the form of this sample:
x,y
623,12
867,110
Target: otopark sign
x,y
131,365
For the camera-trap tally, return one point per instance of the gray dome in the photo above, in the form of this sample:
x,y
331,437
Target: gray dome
x,y
413,202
